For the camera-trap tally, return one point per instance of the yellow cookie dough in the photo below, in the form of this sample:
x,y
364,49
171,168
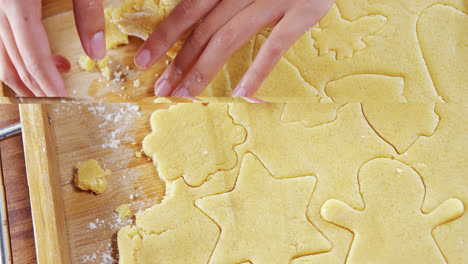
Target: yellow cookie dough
x,y
385,38
114,35
90,176
123,211
383,162
86,63
138,18
265,211
204,141
392,218
175,231
233,215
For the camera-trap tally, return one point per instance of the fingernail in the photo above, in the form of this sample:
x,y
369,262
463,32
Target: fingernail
x,y
182,92
163,89
98,46
240,92
142,59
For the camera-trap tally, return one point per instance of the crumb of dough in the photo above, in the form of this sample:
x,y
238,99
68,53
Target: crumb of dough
x,y
114,35
106,73
86,63
103,66
103,63
123,211
138,154
137,83
91,177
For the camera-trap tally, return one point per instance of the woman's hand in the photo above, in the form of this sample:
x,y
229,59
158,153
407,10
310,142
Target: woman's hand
x,y
26,62
225,26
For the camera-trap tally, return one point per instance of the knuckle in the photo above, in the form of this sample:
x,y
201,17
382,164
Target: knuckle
x,y
224,39
27,79
185,7
200,35
178,69
162,38
276,48
188,8
197,76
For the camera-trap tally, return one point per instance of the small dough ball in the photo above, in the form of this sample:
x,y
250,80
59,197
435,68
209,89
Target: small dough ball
x,y
123,211
91,177
86,63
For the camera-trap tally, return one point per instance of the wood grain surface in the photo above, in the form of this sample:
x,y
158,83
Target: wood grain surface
x,y
109,133
17,193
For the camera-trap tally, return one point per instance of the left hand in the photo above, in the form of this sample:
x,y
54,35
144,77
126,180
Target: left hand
x,y
225,26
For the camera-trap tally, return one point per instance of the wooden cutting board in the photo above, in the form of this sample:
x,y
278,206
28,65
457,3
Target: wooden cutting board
x,y
73,226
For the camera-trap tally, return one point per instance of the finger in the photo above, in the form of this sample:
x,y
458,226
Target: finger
x,y
184,16
223,44
33,46
91,25
12,50
10,77
281,39
285,34
196,42
62,64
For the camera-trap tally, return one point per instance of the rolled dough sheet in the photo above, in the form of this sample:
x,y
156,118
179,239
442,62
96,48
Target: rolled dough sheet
x,y
304,193
378,175
364,37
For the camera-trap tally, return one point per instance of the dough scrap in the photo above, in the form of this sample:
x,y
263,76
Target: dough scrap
x,y
123,211
392,218
203,137
90,176
114,35
86,63
263,220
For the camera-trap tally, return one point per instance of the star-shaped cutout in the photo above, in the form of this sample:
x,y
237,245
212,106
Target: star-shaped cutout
x,y
263,220
342,36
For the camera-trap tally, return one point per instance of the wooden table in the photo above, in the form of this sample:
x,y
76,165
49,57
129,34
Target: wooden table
x,y
17,192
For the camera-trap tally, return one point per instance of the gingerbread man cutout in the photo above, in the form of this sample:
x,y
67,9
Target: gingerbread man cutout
x,y
392,227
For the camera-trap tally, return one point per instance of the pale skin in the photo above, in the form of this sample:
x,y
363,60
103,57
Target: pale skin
x,y
220,27
26,62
